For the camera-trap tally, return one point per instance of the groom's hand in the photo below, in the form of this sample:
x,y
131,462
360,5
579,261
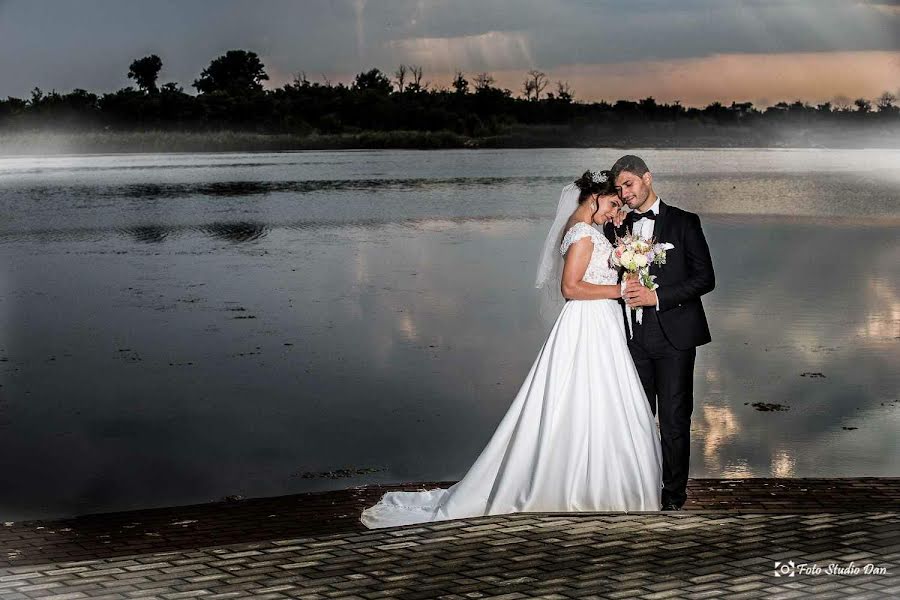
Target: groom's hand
x,y
637,295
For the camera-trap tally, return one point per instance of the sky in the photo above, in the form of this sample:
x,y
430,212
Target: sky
x,y
693,51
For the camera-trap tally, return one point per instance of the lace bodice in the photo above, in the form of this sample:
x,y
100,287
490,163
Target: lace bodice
x,y
598,271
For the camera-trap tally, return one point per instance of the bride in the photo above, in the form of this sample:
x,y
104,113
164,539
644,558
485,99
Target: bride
x,y
579,435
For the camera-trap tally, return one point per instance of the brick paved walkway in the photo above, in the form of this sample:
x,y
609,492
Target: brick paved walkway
x,y
721,548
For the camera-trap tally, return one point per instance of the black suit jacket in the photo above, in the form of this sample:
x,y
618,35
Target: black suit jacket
x,y
687,275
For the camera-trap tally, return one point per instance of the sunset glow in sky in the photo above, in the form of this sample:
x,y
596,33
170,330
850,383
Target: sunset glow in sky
x,y
695,51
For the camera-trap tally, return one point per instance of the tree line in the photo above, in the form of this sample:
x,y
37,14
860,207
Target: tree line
x,y
230,96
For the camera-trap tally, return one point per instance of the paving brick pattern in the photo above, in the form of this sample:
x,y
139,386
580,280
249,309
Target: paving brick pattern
x,y
260,519
312,546
577,555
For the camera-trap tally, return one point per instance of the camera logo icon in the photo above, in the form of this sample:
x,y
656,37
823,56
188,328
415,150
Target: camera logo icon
x,y
784,569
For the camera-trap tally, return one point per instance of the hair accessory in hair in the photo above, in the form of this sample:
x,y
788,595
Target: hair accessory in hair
x,y
598,176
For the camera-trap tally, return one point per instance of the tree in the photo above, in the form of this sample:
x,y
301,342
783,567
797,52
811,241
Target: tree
x,y
300,80
460,83
400,76
483,82
648,106
81,99
886,102
237,73
800,107
415,72
564,91
534,84
717,110
841,103
373,80
862,105
37,94
145,71
12,107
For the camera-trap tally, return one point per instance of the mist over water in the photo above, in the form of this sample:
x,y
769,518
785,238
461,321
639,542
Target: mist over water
x,y
176,328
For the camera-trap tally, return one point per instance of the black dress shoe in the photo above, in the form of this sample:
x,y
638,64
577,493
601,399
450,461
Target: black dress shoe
x,y
670,506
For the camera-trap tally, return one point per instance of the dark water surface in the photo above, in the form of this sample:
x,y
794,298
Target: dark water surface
x,y
176,328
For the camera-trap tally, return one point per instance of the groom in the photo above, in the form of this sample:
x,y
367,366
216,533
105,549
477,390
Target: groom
x,y
664,345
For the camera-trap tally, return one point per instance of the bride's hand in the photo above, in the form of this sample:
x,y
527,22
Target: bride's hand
x,y
619,218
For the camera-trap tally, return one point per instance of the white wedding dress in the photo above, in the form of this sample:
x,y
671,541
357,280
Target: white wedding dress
x,y
579,435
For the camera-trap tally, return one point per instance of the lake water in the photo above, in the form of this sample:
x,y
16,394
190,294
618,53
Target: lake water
x,y
177,328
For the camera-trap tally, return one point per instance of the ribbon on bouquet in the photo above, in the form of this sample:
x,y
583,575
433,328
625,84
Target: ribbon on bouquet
x,y
638,312
638,315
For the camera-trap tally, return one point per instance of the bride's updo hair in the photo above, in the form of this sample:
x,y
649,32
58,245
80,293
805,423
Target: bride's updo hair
x,y
595,182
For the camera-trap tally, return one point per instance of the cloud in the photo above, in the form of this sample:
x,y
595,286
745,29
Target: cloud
x,y
90,43
487,51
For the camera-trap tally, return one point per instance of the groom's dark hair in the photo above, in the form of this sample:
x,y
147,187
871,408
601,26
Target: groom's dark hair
x,y
632,164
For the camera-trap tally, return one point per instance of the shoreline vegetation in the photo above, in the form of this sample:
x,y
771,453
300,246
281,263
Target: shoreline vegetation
x,y
231,111
162,141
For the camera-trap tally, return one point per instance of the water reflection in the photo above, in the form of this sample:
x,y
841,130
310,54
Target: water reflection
x,y
738,469
254,188
783,463
236,231
883,322
246,231
713,431
391,329
386,328
28,166
152,234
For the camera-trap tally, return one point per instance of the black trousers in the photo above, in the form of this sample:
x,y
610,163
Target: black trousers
x,y
667,375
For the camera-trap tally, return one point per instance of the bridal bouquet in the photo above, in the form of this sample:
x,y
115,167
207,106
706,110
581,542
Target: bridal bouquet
x,y
635,254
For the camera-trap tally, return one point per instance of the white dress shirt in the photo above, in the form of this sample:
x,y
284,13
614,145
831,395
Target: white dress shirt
x,y
644,228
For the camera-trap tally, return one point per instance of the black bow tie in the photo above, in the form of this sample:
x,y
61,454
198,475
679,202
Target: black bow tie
x,y
635,216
